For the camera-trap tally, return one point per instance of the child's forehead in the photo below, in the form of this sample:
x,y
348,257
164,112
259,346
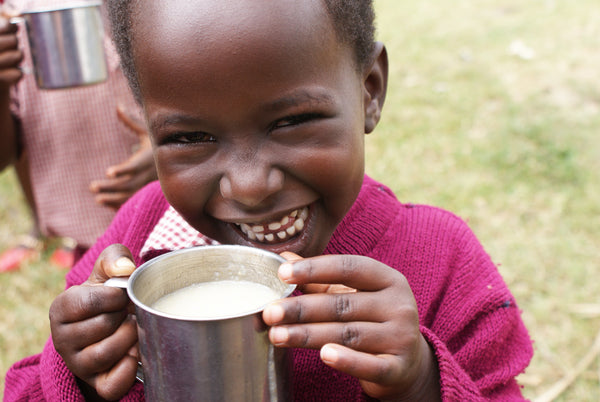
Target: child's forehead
x,y
234,19
233,39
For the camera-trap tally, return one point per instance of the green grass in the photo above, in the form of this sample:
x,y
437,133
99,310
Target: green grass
x,y
508,143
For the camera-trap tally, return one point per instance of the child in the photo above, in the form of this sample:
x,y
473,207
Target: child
x,y
257,112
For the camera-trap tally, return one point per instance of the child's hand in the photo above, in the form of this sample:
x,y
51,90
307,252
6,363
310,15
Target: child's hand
x,y
93,330
366,324
124,179
10,55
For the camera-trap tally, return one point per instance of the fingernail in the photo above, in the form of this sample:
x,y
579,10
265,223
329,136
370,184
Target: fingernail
x,y
285,271
124,266
279,335
274,313
329,354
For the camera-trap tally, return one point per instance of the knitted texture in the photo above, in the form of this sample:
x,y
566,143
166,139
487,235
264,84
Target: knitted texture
x,y
466,312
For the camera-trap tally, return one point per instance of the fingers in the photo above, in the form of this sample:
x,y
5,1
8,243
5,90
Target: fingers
x,y
356,272
135,124
10,55
101,356
80,303
91,328
125,179
112,200
114,384
324,307
315,287
110,365
379,315
115,260
141,163
8,41
360,336
117,183
365,321
6,27
381,369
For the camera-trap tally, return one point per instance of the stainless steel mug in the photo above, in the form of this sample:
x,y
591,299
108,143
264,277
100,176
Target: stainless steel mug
x,y
228,358
67,45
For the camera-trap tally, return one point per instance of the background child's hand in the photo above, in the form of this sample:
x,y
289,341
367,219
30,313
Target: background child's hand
x,y
124,179
10,55
93,330
365,323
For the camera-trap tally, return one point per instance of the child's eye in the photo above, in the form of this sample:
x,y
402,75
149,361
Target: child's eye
x,y
190,138
294,120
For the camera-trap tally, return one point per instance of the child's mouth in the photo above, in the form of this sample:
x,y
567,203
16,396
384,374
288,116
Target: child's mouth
x,y
276,231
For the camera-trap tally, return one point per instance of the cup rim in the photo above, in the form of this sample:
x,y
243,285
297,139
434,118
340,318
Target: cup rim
x,y
232,247
69,6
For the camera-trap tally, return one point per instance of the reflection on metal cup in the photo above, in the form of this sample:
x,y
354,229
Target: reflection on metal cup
x,y
227,358
67,45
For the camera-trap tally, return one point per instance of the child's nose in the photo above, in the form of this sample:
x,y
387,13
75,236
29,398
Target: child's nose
x,y
252,184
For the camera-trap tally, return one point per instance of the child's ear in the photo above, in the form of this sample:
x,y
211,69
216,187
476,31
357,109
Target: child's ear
x,y
375,86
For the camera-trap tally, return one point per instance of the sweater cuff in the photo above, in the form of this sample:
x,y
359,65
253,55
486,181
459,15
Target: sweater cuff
x,y
58,382
455,383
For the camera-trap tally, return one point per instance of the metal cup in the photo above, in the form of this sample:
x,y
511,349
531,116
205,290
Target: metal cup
x,y
67,45
228,358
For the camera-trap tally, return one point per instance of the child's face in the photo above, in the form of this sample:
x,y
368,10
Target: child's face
x,y
257,118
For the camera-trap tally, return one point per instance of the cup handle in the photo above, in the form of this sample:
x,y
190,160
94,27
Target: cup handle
x,y
117,282
139,375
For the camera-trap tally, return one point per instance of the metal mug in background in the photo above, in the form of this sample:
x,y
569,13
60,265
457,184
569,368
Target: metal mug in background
x,y
67,45
228,358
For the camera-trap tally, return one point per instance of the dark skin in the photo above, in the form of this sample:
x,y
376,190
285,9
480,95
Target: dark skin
x,y
247,131
121,180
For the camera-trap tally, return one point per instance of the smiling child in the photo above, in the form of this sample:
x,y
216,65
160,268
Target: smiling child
x,y
257,113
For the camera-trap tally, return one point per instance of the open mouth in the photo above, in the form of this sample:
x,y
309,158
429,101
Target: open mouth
x,y
276,231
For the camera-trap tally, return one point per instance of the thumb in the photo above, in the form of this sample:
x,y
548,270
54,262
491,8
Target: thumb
x,y
115,260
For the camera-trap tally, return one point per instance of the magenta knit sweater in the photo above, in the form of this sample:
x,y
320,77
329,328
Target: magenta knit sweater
x,y
466,311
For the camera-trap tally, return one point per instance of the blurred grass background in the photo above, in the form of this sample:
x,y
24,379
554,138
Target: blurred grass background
x,y
493,112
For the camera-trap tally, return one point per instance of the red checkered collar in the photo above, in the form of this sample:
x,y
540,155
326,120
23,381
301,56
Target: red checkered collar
x,y
172,232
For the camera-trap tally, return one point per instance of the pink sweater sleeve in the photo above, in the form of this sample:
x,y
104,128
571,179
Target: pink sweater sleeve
x,y
473,323
457,385
45,377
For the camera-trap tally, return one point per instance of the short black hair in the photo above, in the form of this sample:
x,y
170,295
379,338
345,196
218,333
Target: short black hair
x,y
353,22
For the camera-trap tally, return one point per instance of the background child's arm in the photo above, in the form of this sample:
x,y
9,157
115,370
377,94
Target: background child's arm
x,y
10,58
93,331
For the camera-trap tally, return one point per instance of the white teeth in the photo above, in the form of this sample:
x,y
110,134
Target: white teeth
x,y
304,213
299,224
274,226
256,231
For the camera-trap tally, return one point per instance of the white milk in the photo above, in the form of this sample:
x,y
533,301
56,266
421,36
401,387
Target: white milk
x,y
216,299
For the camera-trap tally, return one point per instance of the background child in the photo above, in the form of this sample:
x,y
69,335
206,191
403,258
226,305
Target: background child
x,y
257,113
77,146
